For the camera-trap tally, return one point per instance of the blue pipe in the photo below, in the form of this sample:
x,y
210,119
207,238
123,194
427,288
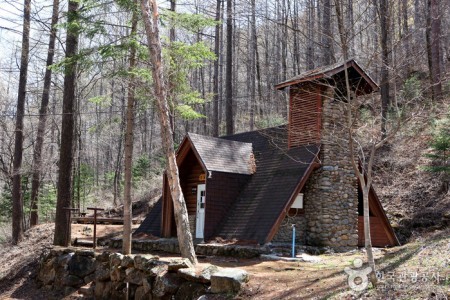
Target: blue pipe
x,y
293,240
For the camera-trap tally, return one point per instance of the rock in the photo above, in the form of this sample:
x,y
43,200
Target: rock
x,y
102,272
64,259
47,273
145,263
309,258
142,294
166,285
190,290
87,290
89,278
159,270
81,266
147,285
103,257
102,290
134,276
69,290
199,274
85,252
228,280
72,280
115,259
175,264
117,274
127,261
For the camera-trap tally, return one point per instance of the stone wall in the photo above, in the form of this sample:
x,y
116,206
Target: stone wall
x,y
331,193
171,246
284,234
113,276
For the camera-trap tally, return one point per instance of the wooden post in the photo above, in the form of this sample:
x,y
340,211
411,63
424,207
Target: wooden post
x,y
69,218
95,209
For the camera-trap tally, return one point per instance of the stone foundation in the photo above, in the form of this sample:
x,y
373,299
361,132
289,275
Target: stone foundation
x,y
171,246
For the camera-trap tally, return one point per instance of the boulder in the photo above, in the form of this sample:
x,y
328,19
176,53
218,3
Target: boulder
x,y
117,274
228,280
134,276
81,266
199,274
72,280
87,290
145,263
159,270
115,259
102,272
142,294
127,261
47,273
166,285
103,257
175,264
102,290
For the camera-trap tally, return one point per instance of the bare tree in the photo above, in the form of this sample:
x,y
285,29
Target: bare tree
x,y
433,46
64,195
17,225
151,17
229,71
216,96
37,156
127,203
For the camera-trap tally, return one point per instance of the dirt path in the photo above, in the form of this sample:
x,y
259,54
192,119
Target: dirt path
x,y
268,279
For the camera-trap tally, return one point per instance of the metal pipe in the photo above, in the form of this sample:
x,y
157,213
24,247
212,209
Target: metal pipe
x,y
293,240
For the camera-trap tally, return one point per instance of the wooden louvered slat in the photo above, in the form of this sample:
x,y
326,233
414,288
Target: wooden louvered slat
x,y
304,115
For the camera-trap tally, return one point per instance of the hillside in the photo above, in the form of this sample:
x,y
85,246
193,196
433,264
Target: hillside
x,y
413,198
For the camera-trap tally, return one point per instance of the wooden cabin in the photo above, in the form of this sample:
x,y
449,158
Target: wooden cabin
x,y
253,186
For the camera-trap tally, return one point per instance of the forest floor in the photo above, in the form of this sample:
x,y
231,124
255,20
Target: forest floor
x,y
417,270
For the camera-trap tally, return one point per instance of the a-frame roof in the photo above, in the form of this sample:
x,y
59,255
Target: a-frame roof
x,y
270,191
359,79
218,154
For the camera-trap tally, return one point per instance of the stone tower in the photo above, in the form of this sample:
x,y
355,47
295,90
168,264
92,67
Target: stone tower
x,y
317,116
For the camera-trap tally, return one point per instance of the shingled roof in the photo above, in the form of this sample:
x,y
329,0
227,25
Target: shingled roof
x,y
222,155
281,173
359,79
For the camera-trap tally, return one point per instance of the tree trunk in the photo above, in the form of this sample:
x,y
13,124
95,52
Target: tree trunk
x,y
127,203
433,43
229,72
64,195
326,33
384,84
310,36
150,17
17,200
37,156
216,96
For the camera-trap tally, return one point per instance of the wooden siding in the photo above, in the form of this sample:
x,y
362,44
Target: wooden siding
x,y
190,171
377,232
222,189
305,114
